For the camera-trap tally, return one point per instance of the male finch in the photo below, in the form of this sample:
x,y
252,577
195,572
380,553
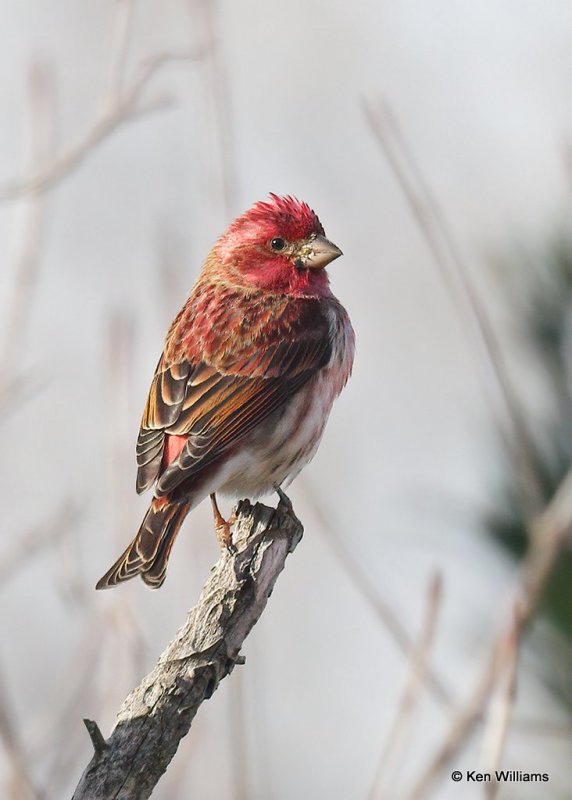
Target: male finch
x,y
242,392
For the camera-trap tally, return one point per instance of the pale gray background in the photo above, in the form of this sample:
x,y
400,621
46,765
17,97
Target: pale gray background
x,y
410,457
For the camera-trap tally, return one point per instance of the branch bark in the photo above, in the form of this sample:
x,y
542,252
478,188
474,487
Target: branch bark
x,y
159,712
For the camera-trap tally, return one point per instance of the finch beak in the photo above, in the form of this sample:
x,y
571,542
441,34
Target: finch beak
x,y
320,252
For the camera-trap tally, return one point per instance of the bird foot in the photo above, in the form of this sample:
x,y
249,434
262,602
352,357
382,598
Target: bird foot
x,y
223,532
223,527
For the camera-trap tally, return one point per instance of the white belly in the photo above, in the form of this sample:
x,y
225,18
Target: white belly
x,y
281,446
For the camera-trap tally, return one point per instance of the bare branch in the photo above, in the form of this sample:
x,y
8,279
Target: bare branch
x,y
459,731
159,712
500,711
383,611
127,108
96,737
418,665
452,267
118,56
549,535
41,124
217,116
23,548
542,729
20,780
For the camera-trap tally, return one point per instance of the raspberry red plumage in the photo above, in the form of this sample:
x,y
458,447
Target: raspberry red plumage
x,y
290,217
251,366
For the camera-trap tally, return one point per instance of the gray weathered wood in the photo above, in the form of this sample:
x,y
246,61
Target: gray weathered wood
x,y
159,712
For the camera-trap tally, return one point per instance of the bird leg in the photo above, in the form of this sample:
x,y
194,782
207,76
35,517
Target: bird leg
x,y
222,526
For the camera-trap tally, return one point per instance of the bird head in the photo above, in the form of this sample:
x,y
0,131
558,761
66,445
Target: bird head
x,y
278,245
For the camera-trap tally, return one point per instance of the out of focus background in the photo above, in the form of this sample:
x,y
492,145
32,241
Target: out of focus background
x,y
424,625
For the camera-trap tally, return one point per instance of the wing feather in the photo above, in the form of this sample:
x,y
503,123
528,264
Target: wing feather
x,y
217,404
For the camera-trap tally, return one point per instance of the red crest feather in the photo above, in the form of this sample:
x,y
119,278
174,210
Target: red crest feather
x,y
291,218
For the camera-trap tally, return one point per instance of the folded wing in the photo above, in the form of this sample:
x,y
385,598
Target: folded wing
x,y
215,405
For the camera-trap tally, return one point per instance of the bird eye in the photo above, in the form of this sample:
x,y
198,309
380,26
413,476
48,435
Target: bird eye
x,y
278,243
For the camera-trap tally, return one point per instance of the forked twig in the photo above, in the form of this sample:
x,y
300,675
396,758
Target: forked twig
x,y
126,108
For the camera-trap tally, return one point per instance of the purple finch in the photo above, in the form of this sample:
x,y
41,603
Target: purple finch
x,y
250,370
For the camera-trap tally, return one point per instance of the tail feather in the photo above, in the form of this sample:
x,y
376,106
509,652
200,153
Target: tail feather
x,y
148,553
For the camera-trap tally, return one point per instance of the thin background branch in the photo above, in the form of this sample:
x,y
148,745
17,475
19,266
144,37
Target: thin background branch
x,y
48,165
549,529
401,727
44,535
501,709
20,303
362,583
451,264
549,534
127,107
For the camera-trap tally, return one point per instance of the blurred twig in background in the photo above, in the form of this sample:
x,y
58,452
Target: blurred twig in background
x,y
125,107
116,627
217,116
41,123
450,262
550,533
19,784
381,608
24,547
48,165
548,527
20,303
402,723
543,310
500,708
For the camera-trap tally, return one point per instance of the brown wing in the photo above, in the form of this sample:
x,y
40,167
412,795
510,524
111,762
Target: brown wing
x,y
166,395
216,406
